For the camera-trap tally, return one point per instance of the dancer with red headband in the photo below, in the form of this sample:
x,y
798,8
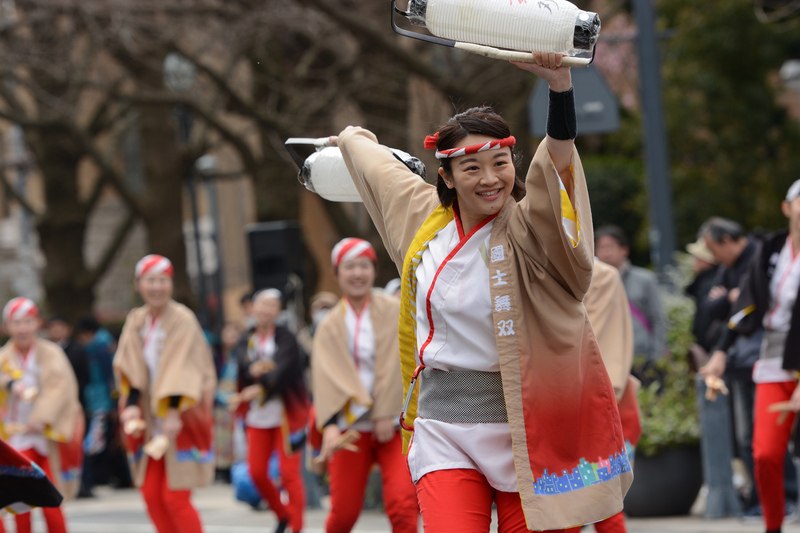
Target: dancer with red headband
x,y
166,375
514,406
356,387
40,415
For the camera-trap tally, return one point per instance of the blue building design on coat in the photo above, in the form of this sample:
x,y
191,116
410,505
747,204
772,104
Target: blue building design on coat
x,y
583,475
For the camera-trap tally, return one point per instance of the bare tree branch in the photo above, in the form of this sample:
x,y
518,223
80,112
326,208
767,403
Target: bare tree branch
x,y
114,246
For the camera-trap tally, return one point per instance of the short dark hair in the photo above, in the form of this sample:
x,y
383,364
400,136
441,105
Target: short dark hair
x,y
716,228
87,324
474,121
246,297
615,232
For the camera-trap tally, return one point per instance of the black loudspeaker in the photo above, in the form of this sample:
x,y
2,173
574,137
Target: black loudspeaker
x,y
276,251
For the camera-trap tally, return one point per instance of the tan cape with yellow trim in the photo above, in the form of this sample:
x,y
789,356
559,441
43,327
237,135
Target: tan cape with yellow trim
x,y
334,375
561,405
56,405
187,370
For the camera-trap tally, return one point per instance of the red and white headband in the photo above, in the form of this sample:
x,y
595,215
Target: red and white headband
x,y
350,248
19,308
431,140
154,264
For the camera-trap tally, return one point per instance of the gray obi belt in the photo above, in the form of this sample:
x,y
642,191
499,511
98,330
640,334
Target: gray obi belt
x,y
465,397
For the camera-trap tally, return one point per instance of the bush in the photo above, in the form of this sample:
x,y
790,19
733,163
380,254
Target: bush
x,y
670,417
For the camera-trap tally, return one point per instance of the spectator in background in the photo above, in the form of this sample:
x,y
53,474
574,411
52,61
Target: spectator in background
x,y
60,331
733,250
641,287
320,304
224,419
704,268
248,317
105,458
769,300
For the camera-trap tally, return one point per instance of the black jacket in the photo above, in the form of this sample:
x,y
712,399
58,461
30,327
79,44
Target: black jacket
x,y
753,302
287,377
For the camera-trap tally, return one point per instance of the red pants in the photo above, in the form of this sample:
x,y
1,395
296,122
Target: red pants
x,y
460,500
770,441
349,472
260,445
615,524
52,515
171,511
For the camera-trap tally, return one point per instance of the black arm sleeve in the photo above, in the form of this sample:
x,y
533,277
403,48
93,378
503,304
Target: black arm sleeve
x,y
133,397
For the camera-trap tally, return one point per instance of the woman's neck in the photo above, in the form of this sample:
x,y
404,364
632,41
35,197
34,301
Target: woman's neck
x,y
154,312
358,303
265,330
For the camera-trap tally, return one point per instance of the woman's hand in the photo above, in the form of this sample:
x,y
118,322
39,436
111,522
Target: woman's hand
x,y
330,436
34,427
172,424
715,366
384,430
132,412
548,67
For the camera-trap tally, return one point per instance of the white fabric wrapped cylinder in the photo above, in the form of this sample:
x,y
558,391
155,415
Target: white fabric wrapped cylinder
x,y
540,26
325,173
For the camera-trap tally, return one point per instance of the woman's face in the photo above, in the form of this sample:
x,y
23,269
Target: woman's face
x,y
483,181
156,289
356,277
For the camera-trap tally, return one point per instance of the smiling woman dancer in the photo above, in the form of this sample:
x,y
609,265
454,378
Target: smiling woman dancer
x,y
166,376
514,405
356,379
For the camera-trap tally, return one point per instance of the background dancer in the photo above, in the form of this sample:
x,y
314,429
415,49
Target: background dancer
x,y
356,386
39,407
279,407
492,284
609,313
165,373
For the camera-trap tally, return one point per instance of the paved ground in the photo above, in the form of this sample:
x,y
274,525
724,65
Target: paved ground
x,y
122,511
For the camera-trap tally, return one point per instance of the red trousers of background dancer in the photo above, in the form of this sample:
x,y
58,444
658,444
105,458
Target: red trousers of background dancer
x,y
349,472
171,511
260,445
770,441
52,515
460,500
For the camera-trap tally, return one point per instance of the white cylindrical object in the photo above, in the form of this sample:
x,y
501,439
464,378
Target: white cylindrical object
x,y
325,173
556,26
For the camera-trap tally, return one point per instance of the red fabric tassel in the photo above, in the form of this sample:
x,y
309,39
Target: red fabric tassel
x,y
431,140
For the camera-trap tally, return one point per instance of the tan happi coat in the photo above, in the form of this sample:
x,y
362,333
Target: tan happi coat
x,y
56,406
334,374
187,370
568,447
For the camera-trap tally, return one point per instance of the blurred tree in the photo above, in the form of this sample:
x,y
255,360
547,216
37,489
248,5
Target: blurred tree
x,y
733,145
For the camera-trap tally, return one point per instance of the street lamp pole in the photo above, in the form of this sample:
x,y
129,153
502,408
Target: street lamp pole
x,y
662,233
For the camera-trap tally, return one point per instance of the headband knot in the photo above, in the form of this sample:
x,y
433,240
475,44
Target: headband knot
x,y
431,140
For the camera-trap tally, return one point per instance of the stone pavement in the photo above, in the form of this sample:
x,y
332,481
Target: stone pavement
x,y
122,511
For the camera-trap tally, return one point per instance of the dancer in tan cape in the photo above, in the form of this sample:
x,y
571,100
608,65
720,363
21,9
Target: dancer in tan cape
x,y
40,415
166,375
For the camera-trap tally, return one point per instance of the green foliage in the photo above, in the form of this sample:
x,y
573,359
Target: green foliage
x,y
616,190
732,143
670,417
